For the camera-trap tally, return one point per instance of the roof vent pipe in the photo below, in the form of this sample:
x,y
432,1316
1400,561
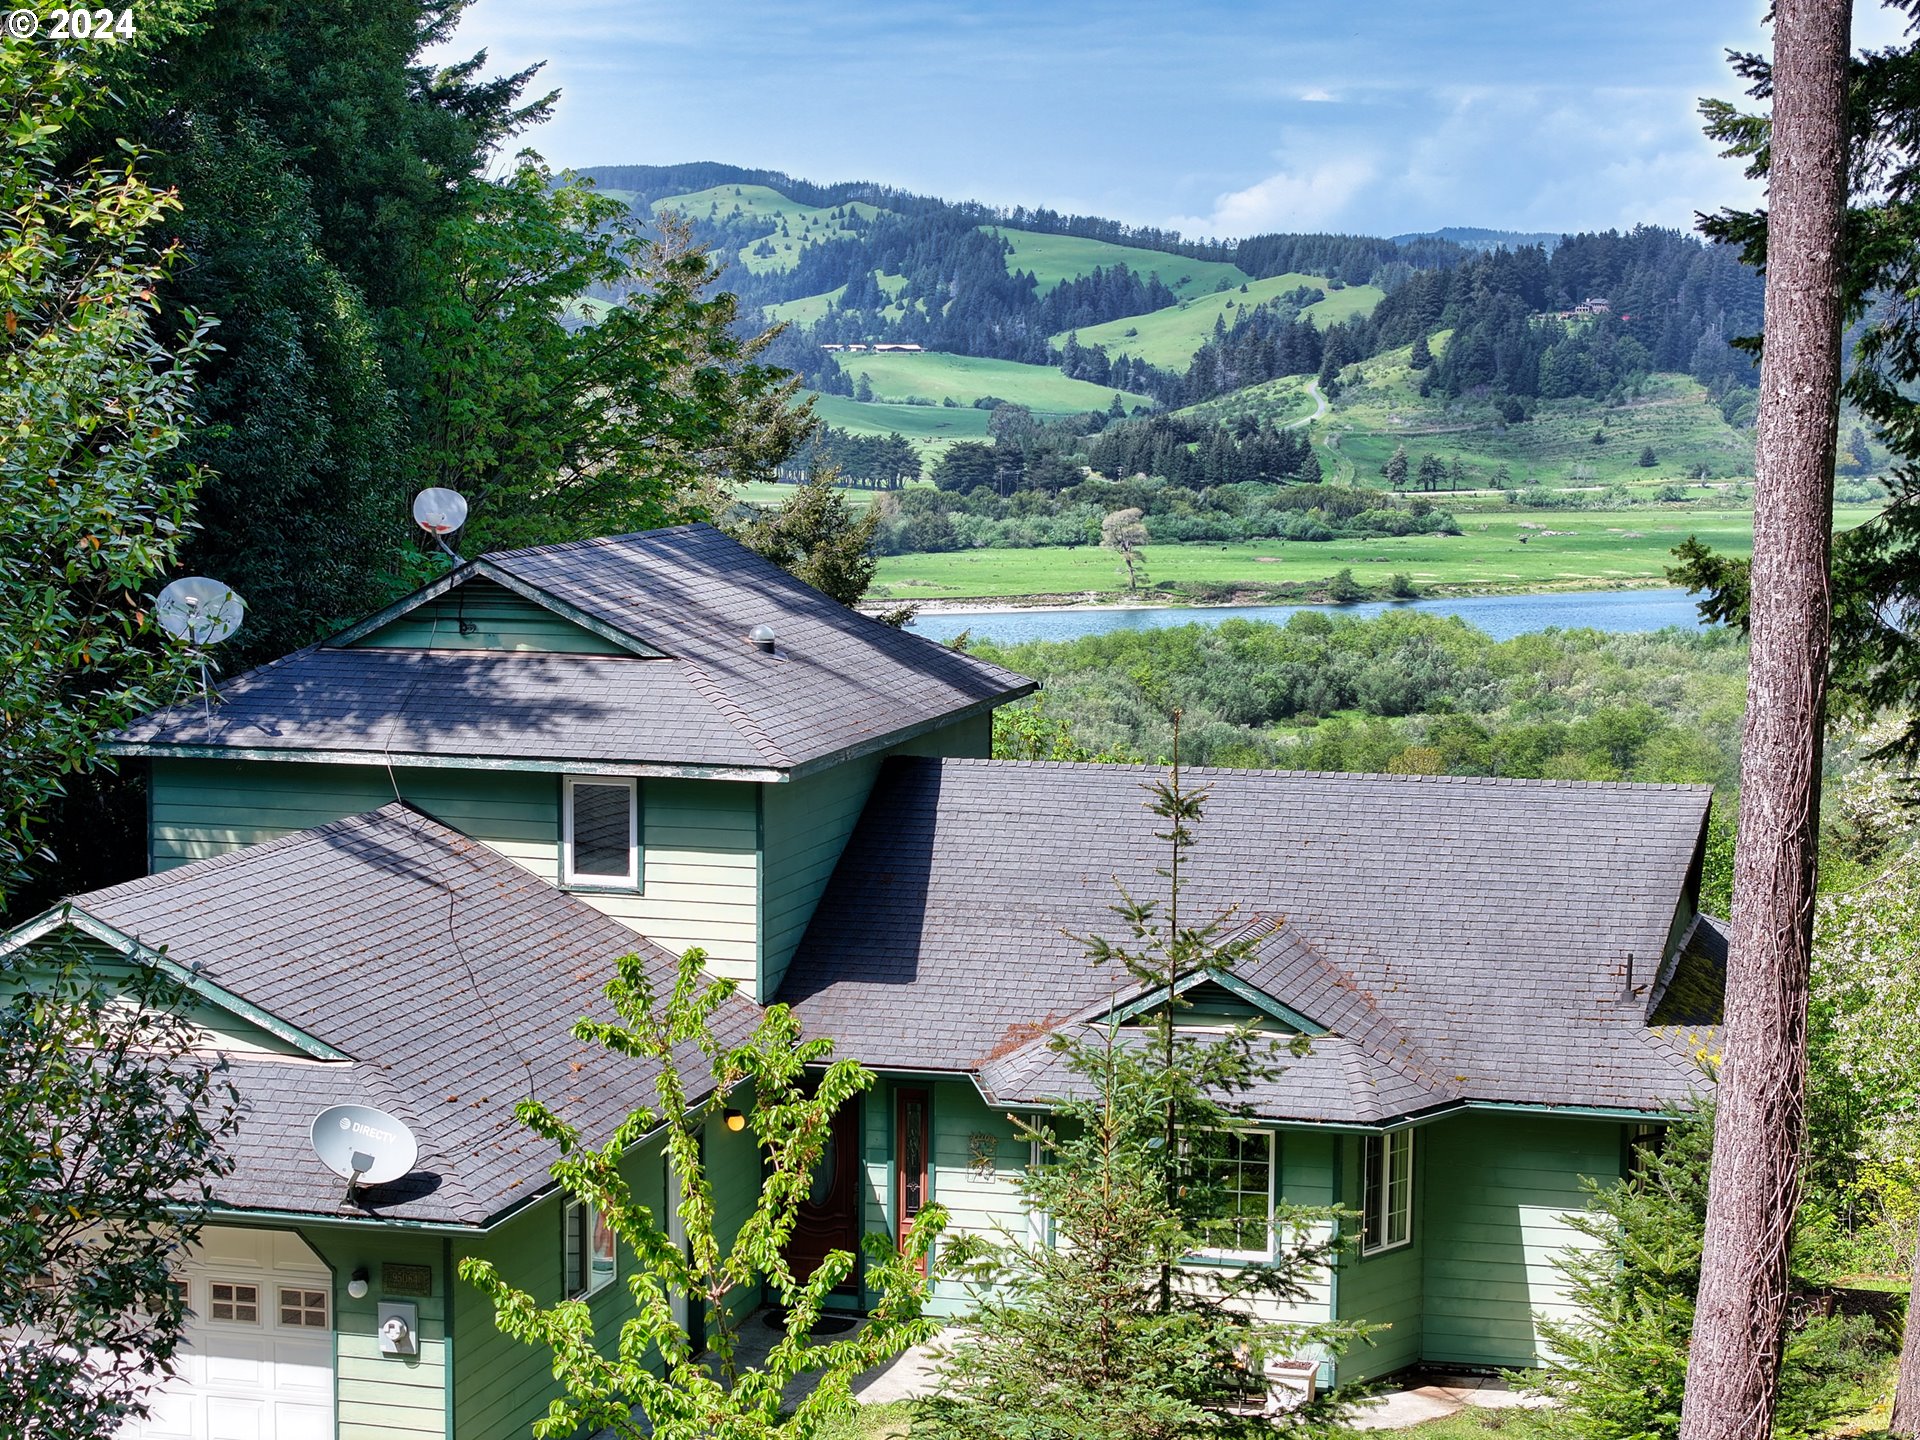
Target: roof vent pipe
x,y
762,637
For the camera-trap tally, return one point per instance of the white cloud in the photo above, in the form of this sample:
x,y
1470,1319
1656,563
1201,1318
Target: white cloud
x,y
1317,96
1304,198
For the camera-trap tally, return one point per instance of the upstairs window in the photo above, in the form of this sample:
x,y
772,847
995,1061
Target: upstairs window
x,y
600,834
1387,1223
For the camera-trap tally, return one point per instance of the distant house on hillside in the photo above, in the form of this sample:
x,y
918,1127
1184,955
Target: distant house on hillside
x,y
899,349
1599,305
834,348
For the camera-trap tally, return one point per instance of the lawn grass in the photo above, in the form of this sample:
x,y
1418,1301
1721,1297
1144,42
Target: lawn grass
x,y
756,492
1567,550
966,378
872,1422
1169,337
806,224
1053,258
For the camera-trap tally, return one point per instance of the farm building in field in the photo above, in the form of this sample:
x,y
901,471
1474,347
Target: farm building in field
x,y
899,349
397,865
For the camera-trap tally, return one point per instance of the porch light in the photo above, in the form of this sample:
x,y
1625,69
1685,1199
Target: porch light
x,y
357,1284
735,1120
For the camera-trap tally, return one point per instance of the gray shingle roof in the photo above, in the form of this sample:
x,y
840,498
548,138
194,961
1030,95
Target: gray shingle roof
x,y
838,681
1468,938
450,976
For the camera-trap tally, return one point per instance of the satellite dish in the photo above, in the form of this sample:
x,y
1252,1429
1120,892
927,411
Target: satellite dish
x,y
200,611
439,511
363,1146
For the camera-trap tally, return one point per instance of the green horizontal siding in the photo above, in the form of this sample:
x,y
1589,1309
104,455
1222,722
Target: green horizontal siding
x,y
700,838
1496,1189
1385,1289
479,614
377,1394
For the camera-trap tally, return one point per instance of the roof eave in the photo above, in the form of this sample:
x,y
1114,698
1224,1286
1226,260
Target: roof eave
x,y
892,738
159,750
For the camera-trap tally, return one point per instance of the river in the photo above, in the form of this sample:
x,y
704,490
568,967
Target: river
x,y
1501,616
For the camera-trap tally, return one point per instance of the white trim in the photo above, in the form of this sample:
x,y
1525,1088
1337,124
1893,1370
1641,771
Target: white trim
x,y
1387,1142
590,1279
571,878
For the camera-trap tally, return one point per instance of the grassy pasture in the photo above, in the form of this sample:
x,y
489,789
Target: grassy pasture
x,y
931,428
1285,401
1169,337
1053,258
811,309
806,224
1591,549
1554,449
966,378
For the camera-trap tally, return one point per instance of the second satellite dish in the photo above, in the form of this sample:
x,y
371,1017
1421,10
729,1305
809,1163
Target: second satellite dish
x,y
198,610
363,1146
439,511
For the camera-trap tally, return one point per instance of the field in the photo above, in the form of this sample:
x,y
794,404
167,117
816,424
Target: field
x,y
806,224
811,309
1286,401
1592,549
1555,448
931,428
1053,258
1169,337
966,378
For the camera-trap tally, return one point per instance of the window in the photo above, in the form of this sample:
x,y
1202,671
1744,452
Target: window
x,y
230,1300
589,1250
305,1308
1233,1169
600,833
1388,1199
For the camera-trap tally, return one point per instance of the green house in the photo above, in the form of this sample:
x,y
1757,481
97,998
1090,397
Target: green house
x,y
394,868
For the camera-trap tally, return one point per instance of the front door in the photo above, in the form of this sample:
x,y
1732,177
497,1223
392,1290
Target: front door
x,y
829,1218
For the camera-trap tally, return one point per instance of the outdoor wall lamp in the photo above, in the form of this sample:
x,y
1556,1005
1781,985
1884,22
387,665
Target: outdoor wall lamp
x,y
357,1283
735,1120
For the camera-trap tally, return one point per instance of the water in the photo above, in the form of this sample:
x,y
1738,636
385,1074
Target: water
x,y
1501,616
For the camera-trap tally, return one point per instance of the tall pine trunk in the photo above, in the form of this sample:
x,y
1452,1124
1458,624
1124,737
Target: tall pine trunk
x,y
1733,1372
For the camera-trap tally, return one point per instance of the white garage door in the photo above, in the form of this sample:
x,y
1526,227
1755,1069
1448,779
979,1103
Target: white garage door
x,y
257,1362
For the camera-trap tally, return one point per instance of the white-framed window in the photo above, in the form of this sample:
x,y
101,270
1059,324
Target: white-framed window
x,y
1387,1192
1235,1170
600,832
589,1258
304,1308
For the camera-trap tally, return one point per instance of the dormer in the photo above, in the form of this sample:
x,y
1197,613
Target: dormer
x,y
665,724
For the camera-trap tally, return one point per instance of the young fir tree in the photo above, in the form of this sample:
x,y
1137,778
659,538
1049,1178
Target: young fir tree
x,y
1618,1368
1396,467
1099,1329
654,1382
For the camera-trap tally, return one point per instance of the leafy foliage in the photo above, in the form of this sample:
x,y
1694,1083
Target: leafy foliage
x,y
96,390
652,1382
114,1136
816,536
1619,1366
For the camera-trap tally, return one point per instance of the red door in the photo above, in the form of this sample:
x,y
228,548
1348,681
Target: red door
x,y
829,1218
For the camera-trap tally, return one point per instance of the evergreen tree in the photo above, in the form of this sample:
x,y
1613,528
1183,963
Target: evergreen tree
x,y
1647,458
1421,357
816,537
1431,472
1396,467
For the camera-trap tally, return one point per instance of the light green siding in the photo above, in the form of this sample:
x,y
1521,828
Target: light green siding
x,y
1383,1289
385,1395
482,615
1495,1189
806,825
700,838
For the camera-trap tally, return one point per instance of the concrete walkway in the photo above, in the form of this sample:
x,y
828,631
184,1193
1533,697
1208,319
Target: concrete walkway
x,y
1434,1397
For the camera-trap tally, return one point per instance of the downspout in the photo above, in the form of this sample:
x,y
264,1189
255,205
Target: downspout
x,y
446,1329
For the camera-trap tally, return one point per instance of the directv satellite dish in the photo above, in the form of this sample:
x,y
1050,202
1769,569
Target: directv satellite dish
x,y
363,1146
440,511
200,611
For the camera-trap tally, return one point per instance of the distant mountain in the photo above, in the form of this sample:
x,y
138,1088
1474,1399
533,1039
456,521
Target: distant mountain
x,y
1472,237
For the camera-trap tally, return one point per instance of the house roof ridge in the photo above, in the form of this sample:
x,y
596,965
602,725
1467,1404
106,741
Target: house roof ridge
x,y
1150,768
734,713
589,542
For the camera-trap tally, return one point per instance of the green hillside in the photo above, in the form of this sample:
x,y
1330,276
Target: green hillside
x,y
811,309
1290,400
931,428
1169,337
806,224
1053,258
966,378
1673,415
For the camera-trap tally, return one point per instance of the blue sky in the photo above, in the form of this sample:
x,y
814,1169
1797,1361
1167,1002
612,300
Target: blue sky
x,y
1215,117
